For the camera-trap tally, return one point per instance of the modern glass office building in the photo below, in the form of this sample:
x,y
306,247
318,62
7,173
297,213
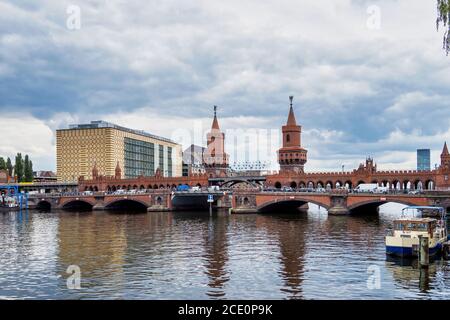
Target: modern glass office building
x,y
423,160
139,153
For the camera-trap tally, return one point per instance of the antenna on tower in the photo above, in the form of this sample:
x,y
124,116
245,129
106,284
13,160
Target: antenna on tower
x,y
291,98
215,111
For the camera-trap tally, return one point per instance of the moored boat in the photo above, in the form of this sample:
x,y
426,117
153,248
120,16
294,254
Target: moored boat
x,y
403,239
8,204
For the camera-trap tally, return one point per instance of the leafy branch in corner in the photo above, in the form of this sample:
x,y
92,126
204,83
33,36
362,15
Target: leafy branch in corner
x,y
443,7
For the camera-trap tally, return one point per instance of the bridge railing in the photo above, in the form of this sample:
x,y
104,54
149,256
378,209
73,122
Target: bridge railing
x,y
354,192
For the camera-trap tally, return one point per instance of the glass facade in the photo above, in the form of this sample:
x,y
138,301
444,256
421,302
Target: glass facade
x,y
139,158
423,160
169,161
161,159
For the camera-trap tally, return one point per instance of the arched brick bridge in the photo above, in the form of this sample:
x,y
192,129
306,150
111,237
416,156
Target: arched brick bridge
x,y
155,200
245,201
335,202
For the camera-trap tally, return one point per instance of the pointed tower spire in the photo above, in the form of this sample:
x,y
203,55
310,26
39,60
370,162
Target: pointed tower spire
x,y
291,118
291,156
118,171
445,150
215,124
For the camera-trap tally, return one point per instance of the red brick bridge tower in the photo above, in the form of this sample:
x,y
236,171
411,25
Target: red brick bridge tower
x,y
292,157
443,179
215,159
445,158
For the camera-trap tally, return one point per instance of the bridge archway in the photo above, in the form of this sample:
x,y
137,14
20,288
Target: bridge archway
x,y
348,184
289,205
277,185
360,182
320,184
293,185
407,185
77,205
418,185
232,183
371,206
127,205
429,184
396,185
302,184
44,206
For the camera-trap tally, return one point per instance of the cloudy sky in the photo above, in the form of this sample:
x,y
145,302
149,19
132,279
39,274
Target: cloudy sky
x,y
369,77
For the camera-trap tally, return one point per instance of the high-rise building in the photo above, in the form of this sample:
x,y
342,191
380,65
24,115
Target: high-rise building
x,y
292,157
423,160
107,146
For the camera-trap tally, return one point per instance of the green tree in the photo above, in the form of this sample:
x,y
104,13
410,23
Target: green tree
x,y
28,169
443,7
9,166
19,167
31,172
2,163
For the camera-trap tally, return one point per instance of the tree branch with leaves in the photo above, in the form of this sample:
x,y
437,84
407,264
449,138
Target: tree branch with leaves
x,y
443,7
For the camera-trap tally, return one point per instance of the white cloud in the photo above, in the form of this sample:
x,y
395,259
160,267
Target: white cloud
x,y
159,65
28,135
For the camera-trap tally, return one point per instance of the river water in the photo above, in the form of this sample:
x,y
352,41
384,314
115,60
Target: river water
x,y
194,256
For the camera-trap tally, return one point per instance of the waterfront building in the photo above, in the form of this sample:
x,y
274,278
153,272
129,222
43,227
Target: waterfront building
x,y
108,146
44,176
423,160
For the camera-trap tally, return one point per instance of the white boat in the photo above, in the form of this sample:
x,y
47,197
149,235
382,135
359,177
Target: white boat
x,y
403,240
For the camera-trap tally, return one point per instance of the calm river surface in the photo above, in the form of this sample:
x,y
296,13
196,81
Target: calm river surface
x,y
194,256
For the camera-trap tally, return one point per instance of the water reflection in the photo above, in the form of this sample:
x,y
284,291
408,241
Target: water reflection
x,y
216,255
409,274
95,243
290,232
192,255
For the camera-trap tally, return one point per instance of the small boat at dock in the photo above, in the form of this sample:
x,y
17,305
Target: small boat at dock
x,y
9,203
403,239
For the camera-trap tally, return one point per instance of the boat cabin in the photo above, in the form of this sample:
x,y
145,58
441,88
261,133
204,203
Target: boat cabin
x,y
423,225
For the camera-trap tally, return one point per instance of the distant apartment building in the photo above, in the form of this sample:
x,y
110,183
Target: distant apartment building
x,y
193,160
105,145
44,176
423,160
